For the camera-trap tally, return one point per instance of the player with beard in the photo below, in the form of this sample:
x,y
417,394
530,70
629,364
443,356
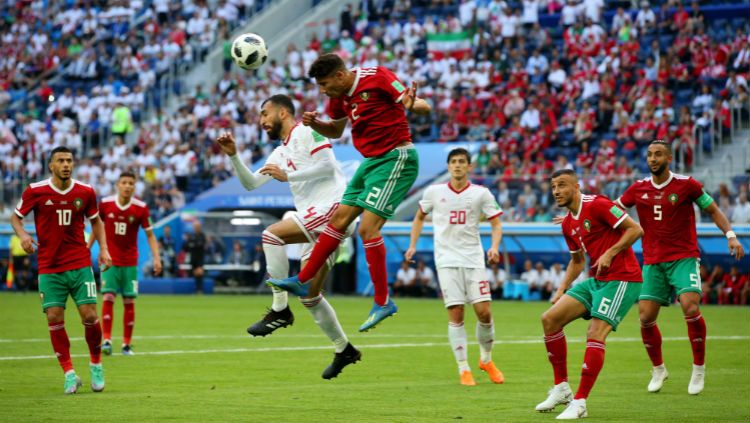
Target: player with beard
x,y
60,204
671,258
597,227
305,160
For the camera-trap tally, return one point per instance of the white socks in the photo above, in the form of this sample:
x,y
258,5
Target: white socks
x,y
325,317
277,266
486,337
457,337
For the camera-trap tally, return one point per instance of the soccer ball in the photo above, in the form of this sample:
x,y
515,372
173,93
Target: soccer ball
x,y
249,51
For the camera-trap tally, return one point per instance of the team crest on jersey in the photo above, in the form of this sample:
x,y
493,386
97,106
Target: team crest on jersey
x,y
77,203
131,219
587,225
365,96
673,198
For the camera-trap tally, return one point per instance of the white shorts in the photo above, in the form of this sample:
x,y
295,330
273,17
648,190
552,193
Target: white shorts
x,y
461,285
312,222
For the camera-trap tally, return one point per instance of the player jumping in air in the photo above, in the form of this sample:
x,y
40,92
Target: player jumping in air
x,y
595,226
375,102
671,258
122,215
305,160
60,205
456,208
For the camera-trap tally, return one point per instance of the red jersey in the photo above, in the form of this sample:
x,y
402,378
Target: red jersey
x,y
121,226
58,218
666,214
373,105
595,230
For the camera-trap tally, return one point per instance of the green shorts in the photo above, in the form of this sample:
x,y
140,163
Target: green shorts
x,y
608,301
380,183
121,279
662,282
55,287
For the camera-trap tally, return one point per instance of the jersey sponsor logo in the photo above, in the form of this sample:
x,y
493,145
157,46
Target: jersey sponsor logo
x,y
111,215
49,203
78,203
290,164
389,208
673,198
397,85
364,96
587,225
616,212
644,196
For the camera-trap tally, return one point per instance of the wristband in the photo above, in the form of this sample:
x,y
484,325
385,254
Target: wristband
x,y
730,235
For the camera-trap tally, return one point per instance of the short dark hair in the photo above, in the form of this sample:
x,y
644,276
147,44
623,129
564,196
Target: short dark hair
x,y
325,65
661,142
458,152
562,172
126,174
59,149
282,101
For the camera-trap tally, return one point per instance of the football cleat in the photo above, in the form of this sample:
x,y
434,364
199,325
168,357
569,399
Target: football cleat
x,y
291,284
271,321
350,355
107,347
377,314
72,383
696,380
559,394
496,376
467,379
576,410
97,377
127,350
658,375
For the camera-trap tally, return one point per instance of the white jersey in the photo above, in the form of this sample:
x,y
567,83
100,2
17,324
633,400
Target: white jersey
x,y
297,153
455,218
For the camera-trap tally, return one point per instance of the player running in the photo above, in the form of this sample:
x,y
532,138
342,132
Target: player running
x,y
305,160
456,208
375,101
60,205
122,215
671,258
595,226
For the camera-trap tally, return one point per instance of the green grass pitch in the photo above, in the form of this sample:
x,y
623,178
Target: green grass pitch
x,y
195,363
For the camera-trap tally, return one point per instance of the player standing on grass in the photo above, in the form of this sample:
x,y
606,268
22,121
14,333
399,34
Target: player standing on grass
x,y
671,258
60,205
457,208
122,215
304,159
595,226
375,101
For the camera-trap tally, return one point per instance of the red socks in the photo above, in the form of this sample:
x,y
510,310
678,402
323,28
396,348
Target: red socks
x,y
593,361
697,334
61,345
128,320
557,353
327,243
107,315
94,339
375,255
651,337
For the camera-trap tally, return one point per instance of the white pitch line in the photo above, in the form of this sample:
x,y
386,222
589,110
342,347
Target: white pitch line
x,y
296,335
328,347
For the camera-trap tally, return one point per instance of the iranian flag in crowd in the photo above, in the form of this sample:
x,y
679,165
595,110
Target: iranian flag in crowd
x,y
454,44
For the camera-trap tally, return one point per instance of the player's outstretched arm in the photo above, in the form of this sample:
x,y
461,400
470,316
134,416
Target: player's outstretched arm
x,y
329,128
97,231
154,246
576,265
416,230
249,180
721,221
27,242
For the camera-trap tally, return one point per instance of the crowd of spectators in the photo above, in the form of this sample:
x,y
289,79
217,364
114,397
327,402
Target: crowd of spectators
x,y
587,93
